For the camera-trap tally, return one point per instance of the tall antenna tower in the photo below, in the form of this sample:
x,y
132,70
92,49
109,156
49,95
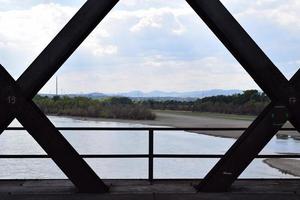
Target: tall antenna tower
x,y
56,86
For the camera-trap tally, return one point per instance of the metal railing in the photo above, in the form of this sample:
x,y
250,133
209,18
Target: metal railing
x,y
150,155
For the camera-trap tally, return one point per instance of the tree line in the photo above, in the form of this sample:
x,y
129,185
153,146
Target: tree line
x,y
114,107
250,102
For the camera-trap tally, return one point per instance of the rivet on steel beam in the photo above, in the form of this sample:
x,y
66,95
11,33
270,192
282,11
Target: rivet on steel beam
x,y
279,115
227,173
292,100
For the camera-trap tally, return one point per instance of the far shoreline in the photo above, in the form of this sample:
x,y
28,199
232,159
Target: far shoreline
x,y
180,120
184,119
142,122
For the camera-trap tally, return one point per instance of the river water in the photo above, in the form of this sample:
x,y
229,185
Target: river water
x,y
126,142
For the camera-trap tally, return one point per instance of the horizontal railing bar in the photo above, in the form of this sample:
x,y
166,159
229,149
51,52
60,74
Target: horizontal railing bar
x,y
159,179
11,156
83,156
144,129
220,156
150,155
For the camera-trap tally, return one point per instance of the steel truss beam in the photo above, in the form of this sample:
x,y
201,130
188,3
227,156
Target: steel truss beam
x,y
15,96
283,93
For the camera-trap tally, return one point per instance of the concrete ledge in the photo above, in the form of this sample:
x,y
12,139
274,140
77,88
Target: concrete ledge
x,y
143,190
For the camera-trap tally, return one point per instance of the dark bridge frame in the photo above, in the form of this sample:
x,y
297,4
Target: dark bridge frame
x,y
16,96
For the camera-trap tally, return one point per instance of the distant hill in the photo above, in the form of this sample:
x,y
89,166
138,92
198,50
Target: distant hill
x,y
94,95
159,95
192,94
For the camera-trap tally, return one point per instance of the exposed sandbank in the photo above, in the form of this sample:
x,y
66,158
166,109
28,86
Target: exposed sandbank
x,y
189,119
287,166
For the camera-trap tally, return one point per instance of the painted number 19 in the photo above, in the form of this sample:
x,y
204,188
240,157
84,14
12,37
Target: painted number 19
x,y
11,99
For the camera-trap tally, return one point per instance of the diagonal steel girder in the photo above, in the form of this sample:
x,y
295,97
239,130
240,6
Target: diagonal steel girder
x,y
282,92
246,148
16,96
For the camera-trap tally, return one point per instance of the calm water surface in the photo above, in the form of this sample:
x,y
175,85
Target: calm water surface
x,y
126,142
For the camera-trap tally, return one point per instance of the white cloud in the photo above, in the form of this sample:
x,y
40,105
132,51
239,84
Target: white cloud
x,y
147,21
99,51
283,13
30,30
157,18
159,72
143,44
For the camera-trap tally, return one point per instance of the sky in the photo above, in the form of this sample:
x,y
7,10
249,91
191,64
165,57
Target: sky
x,y
148,44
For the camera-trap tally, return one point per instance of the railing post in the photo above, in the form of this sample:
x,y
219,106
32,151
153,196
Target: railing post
x,y
150,159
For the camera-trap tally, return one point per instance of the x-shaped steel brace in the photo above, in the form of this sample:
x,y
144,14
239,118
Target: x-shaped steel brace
x,y
284,95
16,96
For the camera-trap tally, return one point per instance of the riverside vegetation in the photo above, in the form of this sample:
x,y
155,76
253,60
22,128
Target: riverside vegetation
x,y
114,107
250,102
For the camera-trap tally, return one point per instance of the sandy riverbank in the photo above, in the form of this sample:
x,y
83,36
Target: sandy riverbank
x,y
189,119
287,166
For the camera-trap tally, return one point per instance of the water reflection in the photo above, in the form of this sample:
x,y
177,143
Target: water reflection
x,y
126,142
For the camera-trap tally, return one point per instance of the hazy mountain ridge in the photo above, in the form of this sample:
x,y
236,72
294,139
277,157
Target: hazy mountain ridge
x,y
191,94
159,94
